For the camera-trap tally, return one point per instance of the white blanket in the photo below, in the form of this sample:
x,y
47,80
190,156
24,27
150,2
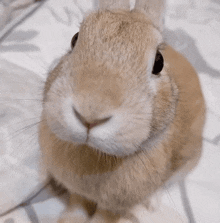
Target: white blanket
x,y
26,56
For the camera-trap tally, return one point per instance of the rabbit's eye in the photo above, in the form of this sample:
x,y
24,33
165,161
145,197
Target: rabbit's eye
x,y
158,64
74,39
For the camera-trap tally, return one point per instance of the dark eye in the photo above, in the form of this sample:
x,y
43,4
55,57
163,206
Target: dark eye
x,y
158,64
74,39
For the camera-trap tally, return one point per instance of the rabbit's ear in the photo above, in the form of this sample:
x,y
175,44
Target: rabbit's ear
x,y
114,4
154,9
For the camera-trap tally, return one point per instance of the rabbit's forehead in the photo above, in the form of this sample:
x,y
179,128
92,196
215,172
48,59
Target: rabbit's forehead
x,y
119,34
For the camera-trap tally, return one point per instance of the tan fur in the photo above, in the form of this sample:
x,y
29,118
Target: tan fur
x,y
156,124
154,9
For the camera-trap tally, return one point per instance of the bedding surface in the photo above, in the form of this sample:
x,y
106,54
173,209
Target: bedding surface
x,y
34,46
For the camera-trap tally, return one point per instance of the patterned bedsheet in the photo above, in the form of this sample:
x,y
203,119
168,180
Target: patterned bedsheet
x,y
31,41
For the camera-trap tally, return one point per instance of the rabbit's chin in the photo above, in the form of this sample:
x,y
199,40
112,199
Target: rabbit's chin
x,y
110,149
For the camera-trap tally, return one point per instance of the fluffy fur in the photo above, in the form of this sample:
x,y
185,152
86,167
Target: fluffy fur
x,y
143,128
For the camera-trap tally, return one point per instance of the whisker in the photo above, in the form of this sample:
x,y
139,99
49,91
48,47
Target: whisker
x,y
29,141
99,155
42,65
151,177
27,119
164,186
15,99
20,131
170,198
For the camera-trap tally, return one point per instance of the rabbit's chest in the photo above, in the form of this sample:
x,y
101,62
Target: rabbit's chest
x,y
119,188
95,187
108,190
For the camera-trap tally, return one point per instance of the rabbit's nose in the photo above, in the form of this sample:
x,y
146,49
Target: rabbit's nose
x,y
92,124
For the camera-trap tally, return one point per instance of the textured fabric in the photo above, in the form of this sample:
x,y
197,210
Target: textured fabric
x,y
32,49
13,12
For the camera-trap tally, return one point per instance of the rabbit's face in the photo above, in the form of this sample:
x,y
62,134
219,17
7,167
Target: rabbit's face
x,y
103,93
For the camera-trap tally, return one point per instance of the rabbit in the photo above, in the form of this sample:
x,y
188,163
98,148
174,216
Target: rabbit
x,y
123,113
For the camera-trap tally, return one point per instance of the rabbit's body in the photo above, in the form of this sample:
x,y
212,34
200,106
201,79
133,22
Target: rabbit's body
x,y
87,172
151,126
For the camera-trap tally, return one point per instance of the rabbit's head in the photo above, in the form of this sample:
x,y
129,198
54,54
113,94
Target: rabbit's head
x,y
112,91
